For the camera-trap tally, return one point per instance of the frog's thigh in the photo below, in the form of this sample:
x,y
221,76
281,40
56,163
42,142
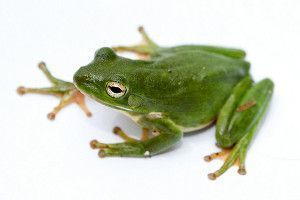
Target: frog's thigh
x,y
244,113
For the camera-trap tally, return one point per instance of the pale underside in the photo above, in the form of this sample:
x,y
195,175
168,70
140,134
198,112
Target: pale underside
x,y
136,118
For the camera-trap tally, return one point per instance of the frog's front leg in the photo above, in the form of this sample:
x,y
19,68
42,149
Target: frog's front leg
x,y
238,121
146,48
169,134
118,131
62,89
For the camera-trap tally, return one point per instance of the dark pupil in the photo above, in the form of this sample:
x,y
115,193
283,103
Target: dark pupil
x,y
115,89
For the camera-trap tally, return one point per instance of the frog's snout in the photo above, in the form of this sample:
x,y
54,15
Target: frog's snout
x,y
80,76
85,81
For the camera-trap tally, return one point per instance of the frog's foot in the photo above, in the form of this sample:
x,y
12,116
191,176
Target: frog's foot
x,y
144,50
73,96
118,131
144,136
234,156
222,155
62,89
130,148
148,145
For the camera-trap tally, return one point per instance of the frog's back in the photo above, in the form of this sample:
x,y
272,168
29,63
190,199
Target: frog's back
x,y
201,62
194,84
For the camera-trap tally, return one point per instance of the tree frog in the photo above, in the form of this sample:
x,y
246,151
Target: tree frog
x,y
170,91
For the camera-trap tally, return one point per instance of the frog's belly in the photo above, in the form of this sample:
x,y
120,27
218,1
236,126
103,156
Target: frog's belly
x,y
196,128
136,118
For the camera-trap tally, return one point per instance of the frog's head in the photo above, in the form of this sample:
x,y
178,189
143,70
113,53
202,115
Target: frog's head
x,y
108,80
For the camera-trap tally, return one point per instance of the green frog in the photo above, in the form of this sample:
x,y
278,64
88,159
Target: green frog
x,y
170,91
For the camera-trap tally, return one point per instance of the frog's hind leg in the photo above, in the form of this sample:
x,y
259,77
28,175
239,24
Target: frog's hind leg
x,y
235,156
62,89
222,155
145,49
229,52
238,121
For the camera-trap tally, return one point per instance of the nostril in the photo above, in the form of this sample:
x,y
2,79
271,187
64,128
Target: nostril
x,y
80,75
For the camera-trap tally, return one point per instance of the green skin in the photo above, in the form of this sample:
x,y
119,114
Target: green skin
x,y
179,89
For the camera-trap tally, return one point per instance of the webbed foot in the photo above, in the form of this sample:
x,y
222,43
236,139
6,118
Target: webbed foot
x,y
130,146
166,134
144,136
66,91
144,49
234,156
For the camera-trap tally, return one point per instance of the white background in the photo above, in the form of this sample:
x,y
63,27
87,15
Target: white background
x,y
40,159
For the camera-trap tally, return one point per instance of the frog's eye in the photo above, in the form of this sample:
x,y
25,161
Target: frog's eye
x,y
105,53
115,89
